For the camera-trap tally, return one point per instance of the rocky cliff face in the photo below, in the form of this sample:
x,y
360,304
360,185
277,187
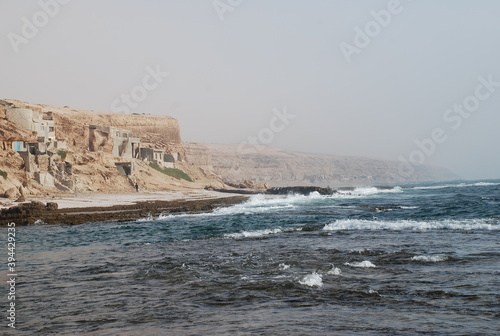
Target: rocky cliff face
x,y
86,169
199,155
162,131
283,168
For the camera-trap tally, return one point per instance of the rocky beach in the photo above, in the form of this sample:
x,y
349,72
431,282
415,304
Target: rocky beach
x,y
117,207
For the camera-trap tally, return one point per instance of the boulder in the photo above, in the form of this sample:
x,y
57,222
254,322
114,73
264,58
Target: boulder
x,y
51,206
12,193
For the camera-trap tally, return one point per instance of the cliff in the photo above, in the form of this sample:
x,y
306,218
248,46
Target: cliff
x,y
68,158
284,168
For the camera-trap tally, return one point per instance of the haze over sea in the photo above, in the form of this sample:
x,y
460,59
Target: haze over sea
x,y
415,259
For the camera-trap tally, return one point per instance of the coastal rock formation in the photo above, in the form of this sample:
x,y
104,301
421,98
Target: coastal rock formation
x,y
282,168
200,155
49,149
49,213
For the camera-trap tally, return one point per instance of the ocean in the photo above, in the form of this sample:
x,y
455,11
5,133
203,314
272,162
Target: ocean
x,y
421,259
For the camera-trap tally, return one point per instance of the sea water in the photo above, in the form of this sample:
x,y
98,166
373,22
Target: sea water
x,y
416,259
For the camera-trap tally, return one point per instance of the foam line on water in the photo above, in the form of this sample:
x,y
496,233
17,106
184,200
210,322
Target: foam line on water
x,y
261,203
253,234
429,259
461,185
397,225
259,233
360,192
361,264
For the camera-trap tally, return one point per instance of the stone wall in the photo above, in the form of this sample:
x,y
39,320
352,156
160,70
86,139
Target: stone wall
x,y
30,120
22,117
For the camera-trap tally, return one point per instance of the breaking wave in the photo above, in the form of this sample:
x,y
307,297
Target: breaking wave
x,y
461,185
361,264
399,225
264,203
312,280
334,271
253,234
433,259
367,191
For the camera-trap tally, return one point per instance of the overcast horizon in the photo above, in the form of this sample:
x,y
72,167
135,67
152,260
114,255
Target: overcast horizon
x,y
414,81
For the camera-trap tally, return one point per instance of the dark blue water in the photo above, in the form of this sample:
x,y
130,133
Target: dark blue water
x,y
420,259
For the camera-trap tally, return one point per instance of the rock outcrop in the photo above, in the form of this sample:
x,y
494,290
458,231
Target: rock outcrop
x,y
200,155
78,161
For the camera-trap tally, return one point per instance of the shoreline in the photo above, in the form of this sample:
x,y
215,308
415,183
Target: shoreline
x,y
109,207
86,208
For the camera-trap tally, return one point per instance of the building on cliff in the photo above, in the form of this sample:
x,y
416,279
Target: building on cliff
x,y
40,123
40,163
121,143
158,157
113,140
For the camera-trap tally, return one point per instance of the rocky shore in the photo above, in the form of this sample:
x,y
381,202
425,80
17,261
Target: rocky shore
x,y
49,213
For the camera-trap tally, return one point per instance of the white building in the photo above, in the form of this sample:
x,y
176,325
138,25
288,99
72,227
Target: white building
x,y
41,123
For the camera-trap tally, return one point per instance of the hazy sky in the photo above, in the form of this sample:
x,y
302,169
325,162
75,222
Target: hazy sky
x,y
361,78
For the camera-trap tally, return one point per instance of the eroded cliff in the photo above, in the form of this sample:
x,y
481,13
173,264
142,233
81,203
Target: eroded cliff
x,y
284,168
90,162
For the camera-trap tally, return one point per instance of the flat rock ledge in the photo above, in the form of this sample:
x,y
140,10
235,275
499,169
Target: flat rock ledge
x,y
40,213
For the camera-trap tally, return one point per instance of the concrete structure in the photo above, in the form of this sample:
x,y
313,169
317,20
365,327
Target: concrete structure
x,y
27,162
45,178
125,168
169,158
116,141
58,144
19,146
157,156
37,148
146,154
40,123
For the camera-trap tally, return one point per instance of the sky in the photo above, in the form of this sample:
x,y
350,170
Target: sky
x,y
411,81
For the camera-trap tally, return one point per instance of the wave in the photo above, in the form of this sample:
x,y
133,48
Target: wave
x,y
256,204
461,185
366,191
434,259
261,203
312,280
361,264
253,234
283,267
399,225
334,271
265,203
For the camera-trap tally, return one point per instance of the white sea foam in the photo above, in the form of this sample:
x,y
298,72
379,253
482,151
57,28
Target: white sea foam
x,y
433,259
147,219
312,280
284,267
253,234
334,271
265,203
461,185
256,204
365,191
399,225
361,264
